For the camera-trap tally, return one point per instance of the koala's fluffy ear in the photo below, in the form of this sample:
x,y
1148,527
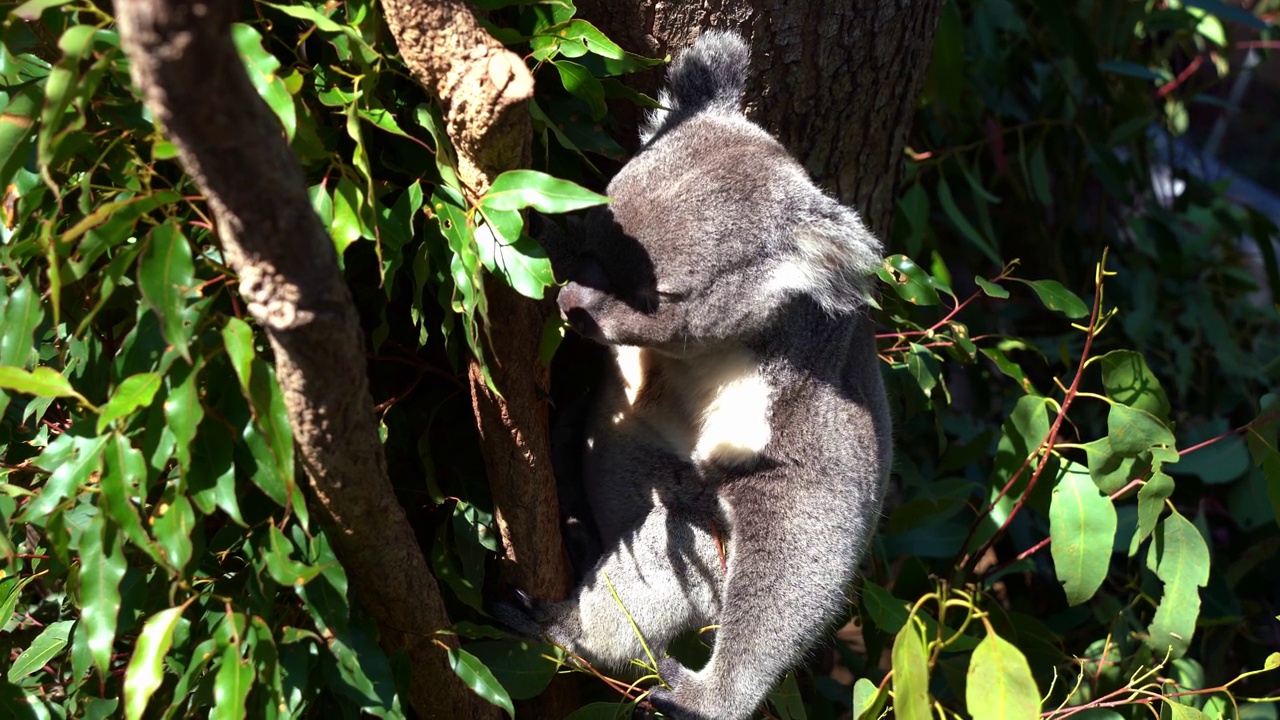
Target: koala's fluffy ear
x,y
832,259
710,76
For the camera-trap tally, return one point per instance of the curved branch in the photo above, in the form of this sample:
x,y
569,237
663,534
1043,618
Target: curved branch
x,y
182,57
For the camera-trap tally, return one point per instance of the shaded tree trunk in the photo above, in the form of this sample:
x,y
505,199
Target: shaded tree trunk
x,y
835,80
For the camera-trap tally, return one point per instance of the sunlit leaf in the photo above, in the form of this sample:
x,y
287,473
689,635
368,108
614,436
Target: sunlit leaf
x,y
1151,499
42,382
1180,558
1132,431
146,666
102,566
476,676
999,683
1082,523
166,276
910,675
909,280
48,644
231,685
22,314
135,392
1056,297
1129,381
519,189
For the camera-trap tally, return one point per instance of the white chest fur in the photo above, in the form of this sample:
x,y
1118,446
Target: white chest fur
x,y
711,409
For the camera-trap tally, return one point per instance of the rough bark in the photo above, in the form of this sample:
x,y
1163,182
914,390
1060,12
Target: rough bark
x,y
482,85
183,59
835,80
482,88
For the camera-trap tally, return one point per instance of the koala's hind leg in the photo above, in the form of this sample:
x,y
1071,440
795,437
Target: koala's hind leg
x,y
666,573
784,586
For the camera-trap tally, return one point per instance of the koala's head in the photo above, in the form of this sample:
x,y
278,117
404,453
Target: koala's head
x,y
713,225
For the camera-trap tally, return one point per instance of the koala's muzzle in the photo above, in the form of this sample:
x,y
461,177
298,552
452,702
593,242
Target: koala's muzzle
x,y
582,295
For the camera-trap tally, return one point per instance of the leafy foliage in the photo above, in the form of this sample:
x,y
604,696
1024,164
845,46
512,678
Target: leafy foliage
x,y
158,556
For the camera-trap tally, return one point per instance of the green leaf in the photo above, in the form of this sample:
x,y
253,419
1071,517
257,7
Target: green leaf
x,y
868,700
22,314
124,471
1082,523
519,189
1129,381
1039,172
173,526
32,9
962,223
990,288
261,67
910,675
183,411
582,84
512,255
146,666
923,366
1009,368
73,460
909,280
269,436
786,700
1180,558
10,593
135,392
211,481
1057,298
1150,504
522,667
476,676
231,685
283,568
1178,711
1132,431
1111,470
1229,12
166,277
44,648
999,683
237,336
41,382
102,567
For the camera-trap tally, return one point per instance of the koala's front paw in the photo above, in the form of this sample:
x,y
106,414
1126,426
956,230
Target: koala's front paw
x,y
681,701
522,615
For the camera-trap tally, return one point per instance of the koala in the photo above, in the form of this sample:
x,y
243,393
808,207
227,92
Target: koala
x,y
737,451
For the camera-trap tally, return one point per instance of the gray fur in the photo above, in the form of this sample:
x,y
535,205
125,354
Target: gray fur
x,y
746,407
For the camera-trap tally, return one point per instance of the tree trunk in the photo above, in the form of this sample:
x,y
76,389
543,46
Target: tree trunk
x,y
182,57
482,88
835,80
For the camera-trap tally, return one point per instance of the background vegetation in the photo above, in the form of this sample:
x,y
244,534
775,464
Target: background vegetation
x,y
1074,352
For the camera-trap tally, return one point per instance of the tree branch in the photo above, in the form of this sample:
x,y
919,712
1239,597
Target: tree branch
x,y
183,59
483,87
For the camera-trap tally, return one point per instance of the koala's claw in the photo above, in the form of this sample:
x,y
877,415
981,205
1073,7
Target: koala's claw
x,y
520,614
663,699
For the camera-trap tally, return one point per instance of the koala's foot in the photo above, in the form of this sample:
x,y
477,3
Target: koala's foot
x,y
685,700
